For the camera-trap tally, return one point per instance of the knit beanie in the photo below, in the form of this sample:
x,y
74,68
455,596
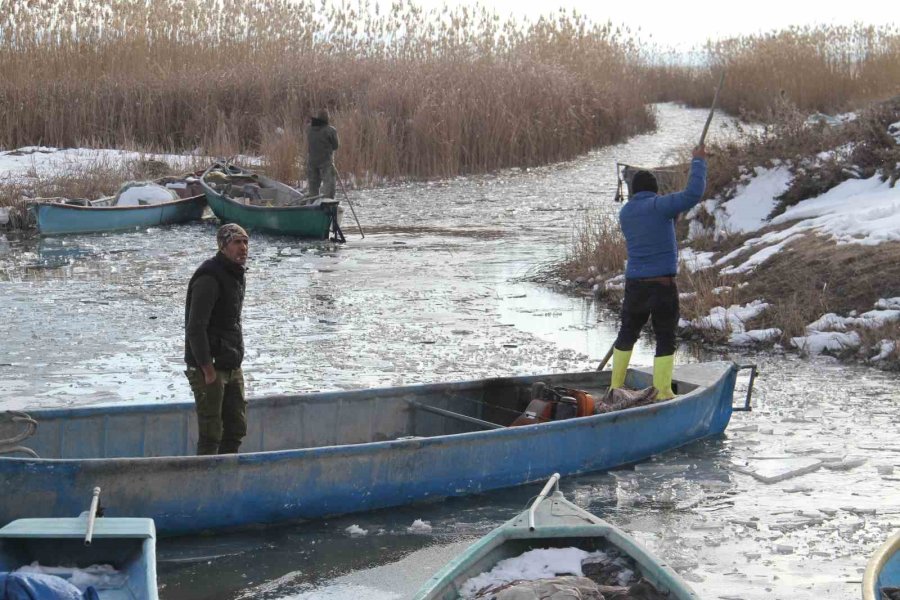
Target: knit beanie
x,y
228,232
644,181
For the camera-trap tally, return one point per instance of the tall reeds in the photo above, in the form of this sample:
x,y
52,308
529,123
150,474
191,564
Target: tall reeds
x,y
825,68
413,93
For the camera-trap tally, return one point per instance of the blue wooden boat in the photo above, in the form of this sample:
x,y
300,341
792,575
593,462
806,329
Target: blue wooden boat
x,y
313,455
128,545
260,203
881,580
105,214
551,522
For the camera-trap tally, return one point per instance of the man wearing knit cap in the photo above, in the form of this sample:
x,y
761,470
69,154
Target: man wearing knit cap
x,y
214,344
648,223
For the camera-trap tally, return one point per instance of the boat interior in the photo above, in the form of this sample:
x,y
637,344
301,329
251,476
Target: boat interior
x,y
287,422
60,554
254,189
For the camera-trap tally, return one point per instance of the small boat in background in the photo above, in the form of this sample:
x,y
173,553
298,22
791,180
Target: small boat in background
x,y
137,205
260,203
881,580
105,558
552,522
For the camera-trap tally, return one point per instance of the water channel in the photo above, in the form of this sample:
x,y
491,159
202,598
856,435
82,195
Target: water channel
x,y
438,291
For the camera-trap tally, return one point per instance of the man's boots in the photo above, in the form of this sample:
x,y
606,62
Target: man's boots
x,y
662,376
620,367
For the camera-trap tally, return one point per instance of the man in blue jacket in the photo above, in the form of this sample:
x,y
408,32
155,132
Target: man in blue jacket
x,y
648,223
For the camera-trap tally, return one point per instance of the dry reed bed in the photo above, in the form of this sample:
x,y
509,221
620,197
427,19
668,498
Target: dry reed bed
x,y
818,68
413,93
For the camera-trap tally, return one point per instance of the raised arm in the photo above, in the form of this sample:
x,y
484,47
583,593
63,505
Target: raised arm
x,y
672,204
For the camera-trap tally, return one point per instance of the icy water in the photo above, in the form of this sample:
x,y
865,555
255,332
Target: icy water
x,y
436,292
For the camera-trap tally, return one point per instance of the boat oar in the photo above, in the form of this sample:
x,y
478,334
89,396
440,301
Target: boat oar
x,y
343,189
713,108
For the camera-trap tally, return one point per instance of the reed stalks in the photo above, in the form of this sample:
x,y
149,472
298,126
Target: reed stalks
x,y
824,68
413,93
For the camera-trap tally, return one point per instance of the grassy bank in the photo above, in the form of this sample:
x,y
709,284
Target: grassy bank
x,y
413,94
812,275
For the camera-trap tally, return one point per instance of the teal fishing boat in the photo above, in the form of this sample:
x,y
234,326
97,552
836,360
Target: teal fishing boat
x,y
163,202
552,522
881,580
105,558
260,203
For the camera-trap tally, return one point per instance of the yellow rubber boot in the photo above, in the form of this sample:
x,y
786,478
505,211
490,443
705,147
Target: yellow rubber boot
x,y
662,376
620,367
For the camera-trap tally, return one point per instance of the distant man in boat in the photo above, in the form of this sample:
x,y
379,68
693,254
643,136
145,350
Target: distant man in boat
x,y
214,344
321,141
648,224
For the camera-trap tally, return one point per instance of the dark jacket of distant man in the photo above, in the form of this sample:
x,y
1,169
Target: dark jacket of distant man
x,y
214,344
321,142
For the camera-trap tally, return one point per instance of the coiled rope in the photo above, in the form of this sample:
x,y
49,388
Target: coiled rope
x,y
10,445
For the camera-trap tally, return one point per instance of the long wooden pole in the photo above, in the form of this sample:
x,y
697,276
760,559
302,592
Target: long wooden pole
x,y
344,189
712,110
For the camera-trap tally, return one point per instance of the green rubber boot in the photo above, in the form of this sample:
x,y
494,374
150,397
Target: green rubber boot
x,y
620,367
662,376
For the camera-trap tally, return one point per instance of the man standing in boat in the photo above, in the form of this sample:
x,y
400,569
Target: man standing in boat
x,y
321,142
648,224
214,344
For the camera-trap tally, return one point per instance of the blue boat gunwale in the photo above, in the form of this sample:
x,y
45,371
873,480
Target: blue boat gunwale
x,y
338,450
60,205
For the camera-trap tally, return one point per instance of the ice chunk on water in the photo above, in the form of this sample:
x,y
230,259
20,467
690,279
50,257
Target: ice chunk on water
x,y
773,471
419,526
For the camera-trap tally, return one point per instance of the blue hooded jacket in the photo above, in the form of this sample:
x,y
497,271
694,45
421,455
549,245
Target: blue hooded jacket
x,y
648,223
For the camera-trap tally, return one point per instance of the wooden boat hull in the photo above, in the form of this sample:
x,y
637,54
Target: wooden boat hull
x,y
60,219
129,545
314,455
883,569
558,524
307,221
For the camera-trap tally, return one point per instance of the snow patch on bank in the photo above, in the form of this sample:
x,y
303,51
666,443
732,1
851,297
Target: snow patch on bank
x,y
732,320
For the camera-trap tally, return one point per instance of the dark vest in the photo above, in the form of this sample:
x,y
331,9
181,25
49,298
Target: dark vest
x,y
226,339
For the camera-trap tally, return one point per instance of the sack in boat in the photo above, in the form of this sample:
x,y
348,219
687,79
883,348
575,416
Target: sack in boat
x,y
559,588
622,398
555,404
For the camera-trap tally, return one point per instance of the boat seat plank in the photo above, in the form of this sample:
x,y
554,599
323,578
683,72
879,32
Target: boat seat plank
x,y
454,415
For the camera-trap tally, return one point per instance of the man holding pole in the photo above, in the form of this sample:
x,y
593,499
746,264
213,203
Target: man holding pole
x,y
648,224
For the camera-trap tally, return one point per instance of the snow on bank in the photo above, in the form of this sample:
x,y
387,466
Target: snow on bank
x,y
731,320
754,201
27,163
828,333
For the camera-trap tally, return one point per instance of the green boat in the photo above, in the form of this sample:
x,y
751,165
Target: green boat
x,y
551,522
260,203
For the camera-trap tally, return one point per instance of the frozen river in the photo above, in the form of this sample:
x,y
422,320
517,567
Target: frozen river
x,y
436,292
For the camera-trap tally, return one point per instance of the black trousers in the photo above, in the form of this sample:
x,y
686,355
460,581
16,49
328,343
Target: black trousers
x,y
649,299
